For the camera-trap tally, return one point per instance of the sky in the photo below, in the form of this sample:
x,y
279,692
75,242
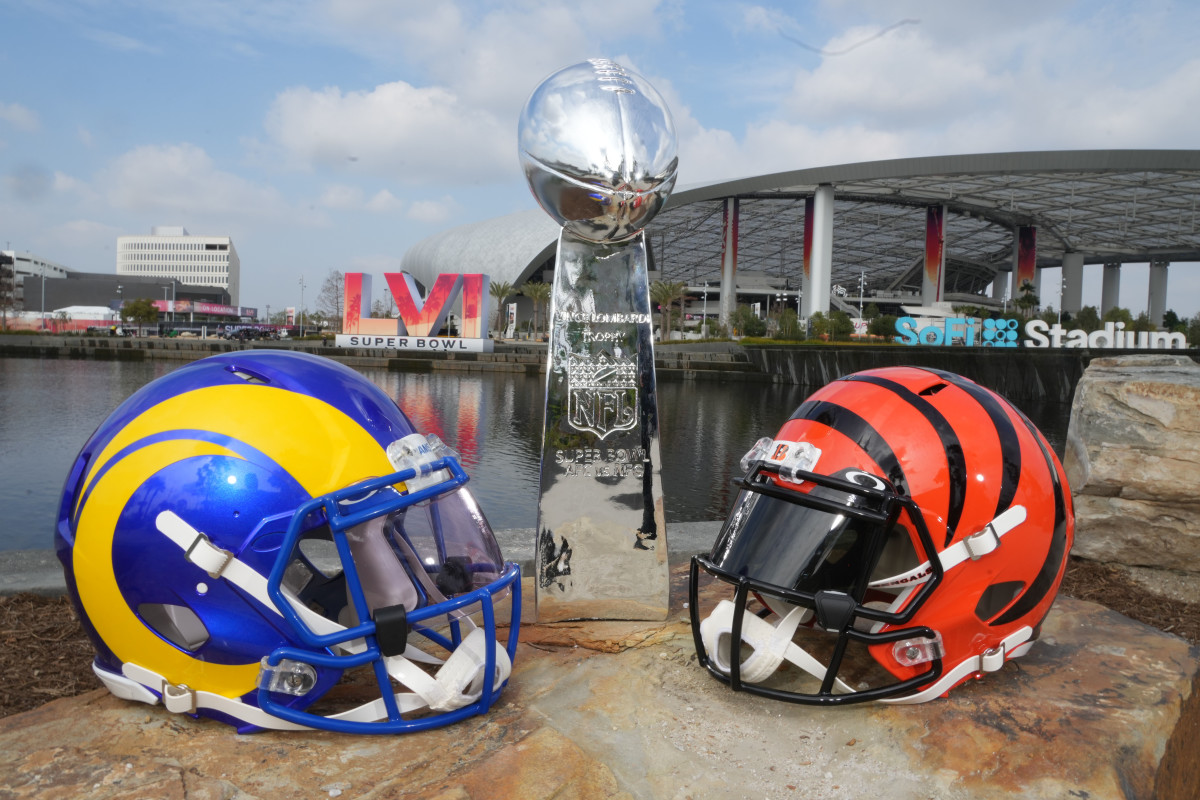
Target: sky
x,y
335,134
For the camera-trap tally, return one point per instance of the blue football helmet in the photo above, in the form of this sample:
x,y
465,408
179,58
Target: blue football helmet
x,y
254,529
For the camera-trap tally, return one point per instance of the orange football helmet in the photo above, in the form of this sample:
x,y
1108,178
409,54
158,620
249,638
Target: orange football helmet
x,y
906,530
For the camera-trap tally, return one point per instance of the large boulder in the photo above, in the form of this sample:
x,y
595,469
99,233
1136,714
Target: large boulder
x,y
1102,707
1133,460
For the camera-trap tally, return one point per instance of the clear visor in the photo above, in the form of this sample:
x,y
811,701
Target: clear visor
x,y
426,553
414,548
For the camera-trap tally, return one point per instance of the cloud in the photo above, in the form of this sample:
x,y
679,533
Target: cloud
x,y
351,198
433,211
122,43
383,202
29,182
492,55
182,182
19,117
85,232
409,135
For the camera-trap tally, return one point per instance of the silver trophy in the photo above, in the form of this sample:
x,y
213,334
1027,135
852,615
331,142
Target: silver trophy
x,y
599,150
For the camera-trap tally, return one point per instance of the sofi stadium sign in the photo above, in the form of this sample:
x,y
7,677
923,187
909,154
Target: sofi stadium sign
x,y
419,319
969,331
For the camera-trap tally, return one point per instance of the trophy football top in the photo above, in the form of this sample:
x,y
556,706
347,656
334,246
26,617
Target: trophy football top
x,y
598,148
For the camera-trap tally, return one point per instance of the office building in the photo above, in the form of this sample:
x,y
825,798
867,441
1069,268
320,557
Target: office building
x,y
171,252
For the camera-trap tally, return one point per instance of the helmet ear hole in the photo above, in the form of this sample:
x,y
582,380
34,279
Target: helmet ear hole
x,y
996,598
179,625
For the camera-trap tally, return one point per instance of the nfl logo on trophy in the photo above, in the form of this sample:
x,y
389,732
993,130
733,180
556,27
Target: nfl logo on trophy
x,y
603,394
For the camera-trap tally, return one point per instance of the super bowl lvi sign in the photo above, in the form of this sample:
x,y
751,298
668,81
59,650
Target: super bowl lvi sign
x,y
418,318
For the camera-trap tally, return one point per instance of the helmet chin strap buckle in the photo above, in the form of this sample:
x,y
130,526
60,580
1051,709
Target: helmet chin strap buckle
x,y
207,556
980,544
835,610
179,698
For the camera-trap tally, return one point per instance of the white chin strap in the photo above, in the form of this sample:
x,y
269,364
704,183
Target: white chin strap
x,y
772,644
458,681
1014,645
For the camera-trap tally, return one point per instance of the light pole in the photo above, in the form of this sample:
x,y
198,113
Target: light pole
x,y
1062,293
862,287
44,296
301,306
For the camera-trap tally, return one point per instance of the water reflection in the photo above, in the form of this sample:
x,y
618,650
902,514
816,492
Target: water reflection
x,y
48,408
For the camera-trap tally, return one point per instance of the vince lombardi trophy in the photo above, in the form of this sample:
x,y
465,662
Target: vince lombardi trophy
x,y
598,148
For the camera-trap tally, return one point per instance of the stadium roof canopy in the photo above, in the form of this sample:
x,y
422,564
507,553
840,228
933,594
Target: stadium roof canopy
x,y
1113,206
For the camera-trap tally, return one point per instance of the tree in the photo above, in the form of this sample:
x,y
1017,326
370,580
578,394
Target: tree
x,y
1027,299
789,326
385,309
871,312
501,290
1088,319
1142,323
884,325
664,294
140,311
841,326
539,293
1193,331
1118,314
1172,322
818,325
331,300
746,323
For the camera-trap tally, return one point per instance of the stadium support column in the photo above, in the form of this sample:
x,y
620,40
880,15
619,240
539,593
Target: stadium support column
x,y
1156,303
1110,293
934,278
818,252
729,246
1072,283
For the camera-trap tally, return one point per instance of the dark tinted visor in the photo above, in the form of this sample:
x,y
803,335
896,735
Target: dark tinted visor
x,y
823,539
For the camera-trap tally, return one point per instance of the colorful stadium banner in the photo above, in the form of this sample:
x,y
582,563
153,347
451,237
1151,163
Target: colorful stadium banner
x,y
809,205
935,254
1026,258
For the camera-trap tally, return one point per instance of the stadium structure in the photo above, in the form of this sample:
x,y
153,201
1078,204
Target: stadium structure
x,y
914,233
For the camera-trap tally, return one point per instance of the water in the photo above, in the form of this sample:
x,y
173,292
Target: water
x,y
48,409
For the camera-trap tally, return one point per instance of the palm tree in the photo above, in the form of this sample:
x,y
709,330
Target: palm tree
x,y
539,293
665,293
501,291
1029,299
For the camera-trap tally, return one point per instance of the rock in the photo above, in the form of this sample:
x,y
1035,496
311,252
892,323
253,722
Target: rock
x,y
1133,461
622,710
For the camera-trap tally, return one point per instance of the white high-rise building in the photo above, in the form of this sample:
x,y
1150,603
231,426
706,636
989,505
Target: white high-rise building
x,y
171,252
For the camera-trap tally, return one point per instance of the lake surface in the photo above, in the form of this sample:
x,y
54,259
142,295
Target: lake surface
x,y
48,409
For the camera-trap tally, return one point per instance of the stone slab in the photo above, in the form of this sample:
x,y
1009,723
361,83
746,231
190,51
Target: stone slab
x,y
1133,461
1102,707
